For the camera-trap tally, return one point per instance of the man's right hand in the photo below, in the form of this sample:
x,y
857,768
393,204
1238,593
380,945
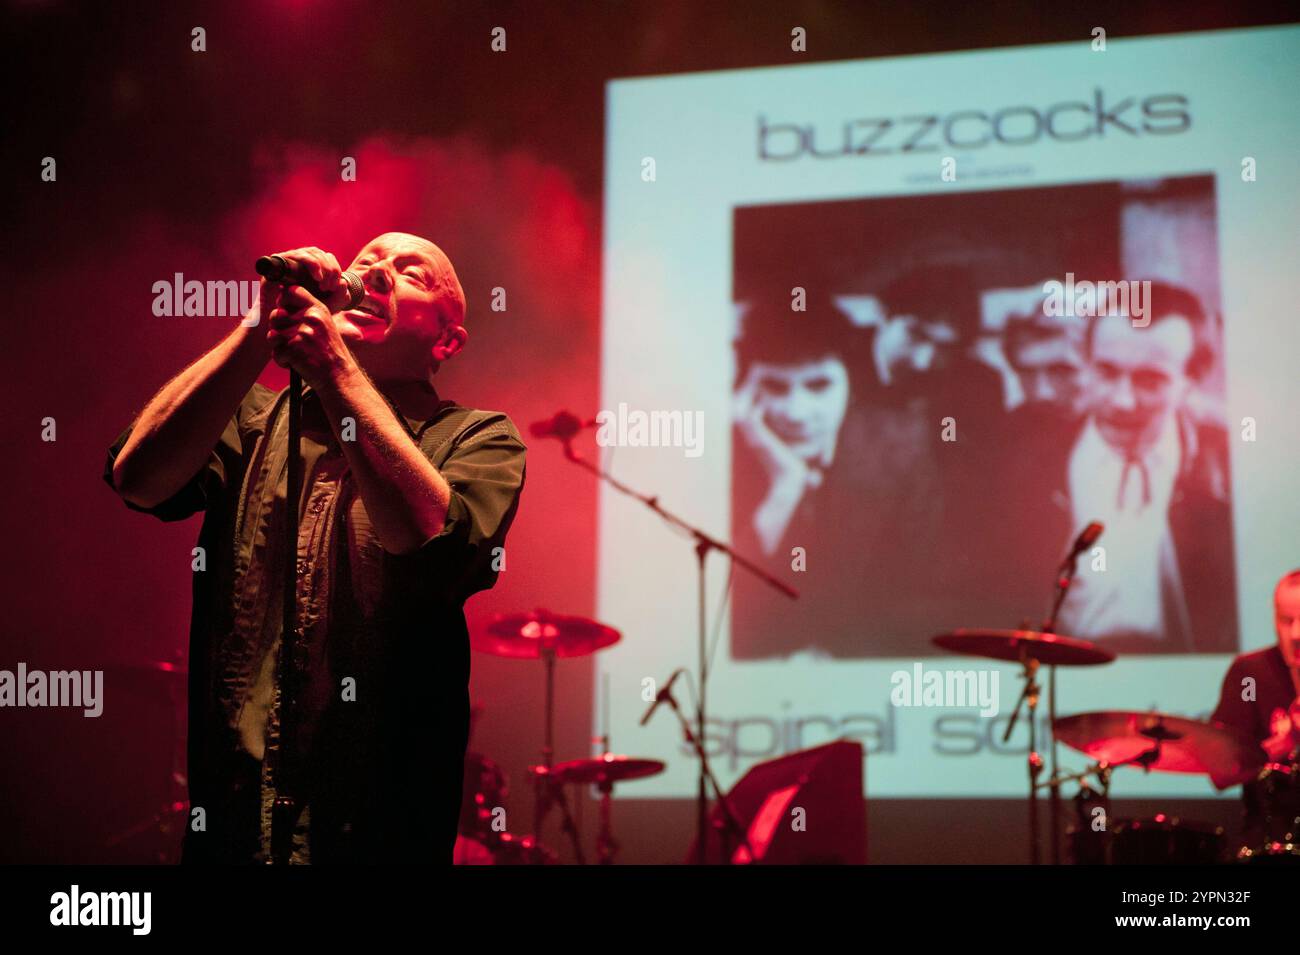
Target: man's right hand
x,y
321,266
324,270
268,299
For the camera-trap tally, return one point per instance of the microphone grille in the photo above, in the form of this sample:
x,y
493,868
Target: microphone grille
x,y
356,290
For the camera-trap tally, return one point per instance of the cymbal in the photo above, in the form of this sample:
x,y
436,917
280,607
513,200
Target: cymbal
x,y
602,769
1050,648
1186,746
525,636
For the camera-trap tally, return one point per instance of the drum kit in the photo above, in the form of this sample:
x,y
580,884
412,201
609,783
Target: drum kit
x,y
1117,739
1150,742
483,839
1110,739
548,637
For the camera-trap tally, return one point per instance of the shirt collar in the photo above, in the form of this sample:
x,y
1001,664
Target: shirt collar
x,y
1166,452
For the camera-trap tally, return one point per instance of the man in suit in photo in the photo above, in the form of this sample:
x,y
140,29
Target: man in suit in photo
x,y
1139,461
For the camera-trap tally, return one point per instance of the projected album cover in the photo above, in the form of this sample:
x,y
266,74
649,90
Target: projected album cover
x,y
965,382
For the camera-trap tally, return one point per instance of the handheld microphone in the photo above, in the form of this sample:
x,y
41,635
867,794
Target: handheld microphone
x,y
276,268
662,695
563,425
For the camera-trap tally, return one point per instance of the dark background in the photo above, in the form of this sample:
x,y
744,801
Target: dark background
x,y
171,160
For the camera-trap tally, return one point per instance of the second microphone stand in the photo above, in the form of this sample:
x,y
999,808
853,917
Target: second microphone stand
x,y
704,543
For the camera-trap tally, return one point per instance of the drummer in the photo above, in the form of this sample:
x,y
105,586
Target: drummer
x,y
1261,691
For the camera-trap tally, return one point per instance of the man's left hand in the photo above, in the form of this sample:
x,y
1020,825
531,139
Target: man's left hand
x,y
303,337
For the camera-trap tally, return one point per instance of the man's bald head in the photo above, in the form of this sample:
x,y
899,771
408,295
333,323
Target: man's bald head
x,y
413,316
445,281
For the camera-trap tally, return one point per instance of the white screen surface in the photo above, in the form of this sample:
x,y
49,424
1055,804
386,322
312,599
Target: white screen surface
x,y
684,167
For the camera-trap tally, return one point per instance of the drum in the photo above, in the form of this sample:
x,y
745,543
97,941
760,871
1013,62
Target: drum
x,y
1166,840
1087,846
1160,840
471,852
1272,815
509,850
483,790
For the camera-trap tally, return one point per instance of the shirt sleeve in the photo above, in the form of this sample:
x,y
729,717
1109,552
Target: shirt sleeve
x,y
225,461
1239,714
1232,710
486,473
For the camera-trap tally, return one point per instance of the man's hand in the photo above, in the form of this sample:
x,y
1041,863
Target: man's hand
x,y
324,270
303,337
1284,735
268,299
789,476
784,467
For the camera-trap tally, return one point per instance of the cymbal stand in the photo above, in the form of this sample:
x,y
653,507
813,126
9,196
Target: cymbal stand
x,y
548,792
1029,699
606,846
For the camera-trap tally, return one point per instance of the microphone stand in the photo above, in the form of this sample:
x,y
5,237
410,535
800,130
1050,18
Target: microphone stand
x,y
730,825
284,811
285,808
704,543
1064,578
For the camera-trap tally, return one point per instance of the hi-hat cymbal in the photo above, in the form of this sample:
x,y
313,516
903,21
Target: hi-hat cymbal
x,y
527,635
609,768
1184,745
1015,645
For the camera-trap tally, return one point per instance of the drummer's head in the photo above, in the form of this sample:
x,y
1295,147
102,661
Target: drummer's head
x,y
1286,616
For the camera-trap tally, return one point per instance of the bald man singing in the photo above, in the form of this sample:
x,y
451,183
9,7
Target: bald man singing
x,y
405,505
